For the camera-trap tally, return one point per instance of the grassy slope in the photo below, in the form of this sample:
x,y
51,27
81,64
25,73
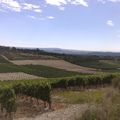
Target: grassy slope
x,y
105,65
79,97
107,109
92,96
49,72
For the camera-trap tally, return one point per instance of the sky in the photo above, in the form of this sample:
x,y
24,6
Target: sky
x,y
70,24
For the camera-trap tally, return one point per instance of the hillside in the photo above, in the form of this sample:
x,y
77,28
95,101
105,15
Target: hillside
x,y
102,61
35,84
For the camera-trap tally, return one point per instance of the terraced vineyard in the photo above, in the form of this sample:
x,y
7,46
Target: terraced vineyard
x,y
41,89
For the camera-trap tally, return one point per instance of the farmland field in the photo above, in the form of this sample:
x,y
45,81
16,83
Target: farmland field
x,y
48,72
60,64
38,70
17,76
102,64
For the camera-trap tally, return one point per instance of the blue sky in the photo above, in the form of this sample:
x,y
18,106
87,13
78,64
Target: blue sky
x,y
71,24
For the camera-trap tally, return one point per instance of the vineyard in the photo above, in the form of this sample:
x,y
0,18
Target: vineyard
x,y
41,89
34,83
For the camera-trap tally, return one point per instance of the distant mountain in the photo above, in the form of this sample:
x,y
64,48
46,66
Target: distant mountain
x,y
105,53
59,51
65,51
79,52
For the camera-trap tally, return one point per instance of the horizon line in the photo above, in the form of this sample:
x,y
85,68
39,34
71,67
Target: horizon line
x,y
105,51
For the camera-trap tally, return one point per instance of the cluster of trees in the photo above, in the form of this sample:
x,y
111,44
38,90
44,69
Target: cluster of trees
x,y
20,50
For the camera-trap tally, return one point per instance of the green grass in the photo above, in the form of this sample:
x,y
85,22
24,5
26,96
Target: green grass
x,y
101,64
48,72
108,109
4,68
104,65
79,97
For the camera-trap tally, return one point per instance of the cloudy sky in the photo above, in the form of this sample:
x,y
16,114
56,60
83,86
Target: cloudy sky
x,y
71,24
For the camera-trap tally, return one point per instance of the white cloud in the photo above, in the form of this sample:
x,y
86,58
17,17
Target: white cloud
x,y
79,2
19,6
110,23
11,4
35,8
30,6
64,2
104,1
16,6
56,2
50,17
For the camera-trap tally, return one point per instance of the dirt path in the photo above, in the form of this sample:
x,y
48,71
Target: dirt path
x,y
73,112
5,58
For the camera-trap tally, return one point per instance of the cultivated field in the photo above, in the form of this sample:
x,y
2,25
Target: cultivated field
x,y
61,64
17,76
37,70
